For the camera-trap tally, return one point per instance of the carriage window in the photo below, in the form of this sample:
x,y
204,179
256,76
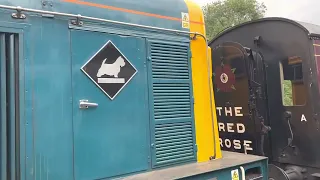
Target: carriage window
x,y
293,87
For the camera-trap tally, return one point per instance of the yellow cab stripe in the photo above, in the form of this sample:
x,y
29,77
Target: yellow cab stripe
x,y
215,120
202,109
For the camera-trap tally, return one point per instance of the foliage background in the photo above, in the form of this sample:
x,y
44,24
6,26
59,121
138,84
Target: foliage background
x,y
222,14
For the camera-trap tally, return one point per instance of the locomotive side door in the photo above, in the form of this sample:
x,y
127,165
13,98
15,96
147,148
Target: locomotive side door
x,y
110,105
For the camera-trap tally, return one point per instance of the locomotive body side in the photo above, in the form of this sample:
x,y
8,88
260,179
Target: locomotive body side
x,y
71,118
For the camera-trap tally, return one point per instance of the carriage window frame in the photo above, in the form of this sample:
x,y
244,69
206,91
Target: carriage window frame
x,y
294,67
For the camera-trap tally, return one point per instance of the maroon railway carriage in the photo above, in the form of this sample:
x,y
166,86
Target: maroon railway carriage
x,y
266,76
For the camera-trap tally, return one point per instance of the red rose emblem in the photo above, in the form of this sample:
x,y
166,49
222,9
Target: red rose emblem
x,y
224,78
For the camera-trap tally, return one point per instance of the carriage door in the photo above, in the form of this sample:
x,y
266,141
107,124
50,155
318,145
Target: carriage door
x,y
291,119
237,87
110,105
258,106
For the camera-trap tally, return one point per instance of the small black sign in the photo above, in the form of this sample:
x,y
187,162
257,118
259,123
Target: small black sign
x,y
109,69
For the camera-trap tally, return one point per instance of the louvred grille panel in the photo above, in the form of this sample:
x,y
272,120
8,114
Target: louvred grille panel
x,y
172,102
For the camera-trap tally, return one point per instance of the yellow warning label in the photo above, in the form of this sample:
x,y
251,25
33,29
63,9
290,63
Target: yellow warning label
x,y
185,20
185,25
185,17
235,174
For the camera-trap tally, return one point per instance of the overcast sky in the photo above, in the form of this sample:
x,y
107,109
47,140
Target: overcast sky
x,y
301,10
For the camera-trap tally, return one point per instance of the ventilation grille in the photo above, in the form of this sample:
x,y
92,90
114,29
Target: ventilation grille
x,y
174,142
9,120
172,102
169,61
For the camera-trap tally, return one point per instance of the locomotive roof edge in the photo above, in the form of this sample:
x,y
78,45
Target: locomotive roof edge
x,y
156,13
312,30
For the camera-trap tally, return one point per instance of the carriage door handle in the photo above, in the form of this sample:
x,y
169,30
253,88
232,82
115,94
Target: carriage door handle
x,y
85,104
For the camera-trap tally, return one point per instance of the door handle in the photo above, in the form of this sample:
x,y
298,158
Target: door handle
x,y
85,104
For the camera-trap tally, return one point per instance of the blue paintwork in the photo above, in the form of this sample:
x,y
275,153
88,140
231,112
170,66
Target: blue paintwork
x,y
22,111
171,8
112,139
45,109
49,115
50,90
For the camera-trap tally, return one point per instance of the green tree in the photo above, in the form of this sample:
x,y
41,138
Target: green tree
x,y
287,93
222,14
